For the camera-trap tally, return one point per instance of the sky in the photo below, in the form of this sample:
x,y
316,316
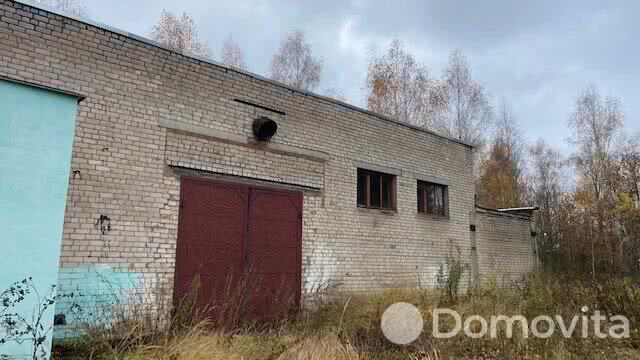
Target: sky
x,y
538,55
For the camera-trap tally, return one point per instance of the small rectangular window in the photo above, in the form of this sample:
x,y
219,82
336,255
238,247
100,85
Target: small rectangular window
x,y
433,199
376,190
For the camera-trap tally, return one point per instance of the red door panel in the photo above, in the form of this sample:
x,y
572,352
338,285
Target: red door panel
x,y
277,205
266,232
210,252
274,252
243,245
272,260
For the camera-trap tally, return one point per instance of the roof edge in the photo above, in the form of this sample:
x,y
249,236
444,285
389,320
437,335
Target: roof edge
x,y
241,71
525,208
502,212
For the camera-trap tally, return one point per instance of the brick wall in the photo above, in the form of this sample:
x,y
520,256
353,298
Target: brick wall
x,y
506,247
148,110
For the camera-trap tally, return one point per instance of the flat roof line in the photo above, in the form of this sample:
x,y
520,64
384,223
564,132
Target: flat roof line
x,y
527,208
241,71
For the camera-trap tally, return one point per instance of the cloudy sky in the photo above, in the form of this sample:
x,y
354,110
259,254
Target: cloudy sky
x,y
537,54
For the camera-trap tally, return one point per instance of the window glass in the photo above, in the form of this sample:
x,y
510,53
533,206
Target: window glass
x,y
421,197
362,188
375,190
438,200
432,198
386,192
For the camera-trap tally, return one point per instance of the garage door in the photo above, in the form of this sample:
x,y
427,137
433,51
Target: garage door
x,y
239,250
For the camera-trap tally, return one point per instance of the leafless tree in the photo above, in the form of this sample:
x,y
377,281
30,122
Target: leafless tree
x,y
628,201
179,33
402,88
336,94
501,181
469,113
509,133
596,122
294,64
630,167
71,7
232,54
545,182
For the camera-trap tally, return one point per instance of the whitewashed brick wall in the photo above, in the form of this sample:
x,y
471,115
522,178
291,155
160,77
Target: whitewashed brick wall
x,y
124,152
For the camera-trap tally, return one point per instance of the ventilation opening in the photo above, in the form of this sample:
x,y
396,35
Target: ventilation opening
x,y
264,128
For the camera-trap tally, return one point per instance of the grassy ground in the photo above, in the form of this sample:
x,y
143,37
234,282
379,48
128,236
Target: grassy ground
x,y
348,327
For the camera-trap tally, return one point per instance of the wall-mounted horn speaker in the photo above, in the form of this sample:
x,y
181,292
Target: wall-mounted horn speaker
x,y
264,128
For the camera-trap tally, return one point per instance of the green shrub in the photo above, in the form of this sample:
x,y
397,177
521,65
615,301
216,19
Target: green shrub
x,y
450,276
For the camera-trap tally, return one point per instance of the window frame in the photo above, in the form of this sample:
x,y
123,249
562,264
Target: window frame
x,y
367,190
445,199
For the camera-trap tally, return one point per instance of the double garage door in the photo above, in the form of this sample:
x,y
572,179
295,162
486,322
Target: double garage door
x,y
239,249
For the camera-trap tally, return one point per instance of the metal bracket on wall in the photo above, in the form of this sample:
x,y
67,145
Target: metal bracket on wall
x,y
259,106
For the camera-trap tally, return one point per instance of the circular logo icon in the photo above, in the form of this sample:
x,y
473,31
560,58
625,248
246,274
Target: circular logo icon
x,y
402,323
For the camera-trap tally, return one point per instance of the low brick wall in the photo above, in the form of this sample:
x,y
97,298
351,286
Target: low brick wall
x,y
506,246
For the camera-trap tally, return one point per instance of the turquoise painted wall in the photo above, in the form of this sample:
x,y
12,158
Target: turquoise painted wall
x,y
97,290
36,137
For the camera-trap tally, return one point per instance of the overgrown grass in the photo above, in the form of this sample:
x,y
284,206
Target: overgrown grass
x,y
348,327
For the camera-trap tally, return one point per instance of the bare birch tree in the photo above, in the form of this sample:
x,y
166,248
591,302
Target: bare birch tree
x,y
71,7
630,167
628,202
509,133
232,54
469,113
336,94
294,64
596,122
402,88
501,182
545,182
180,34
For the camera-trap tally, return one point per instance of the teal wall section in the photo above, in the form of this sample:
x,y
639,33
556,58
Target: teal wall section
x,y
36,137
98,290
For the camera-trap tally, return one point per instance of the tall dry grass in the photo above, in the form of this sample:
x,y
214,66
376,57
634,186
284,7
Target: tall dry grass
x,y
347,326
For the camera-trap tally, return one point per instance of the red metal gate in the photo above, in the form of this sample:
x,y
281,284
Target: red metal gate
x,y
241,246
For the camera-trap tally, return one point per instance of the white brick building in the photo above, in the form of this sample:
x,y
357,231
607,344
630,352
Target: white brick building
x,y
152,116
